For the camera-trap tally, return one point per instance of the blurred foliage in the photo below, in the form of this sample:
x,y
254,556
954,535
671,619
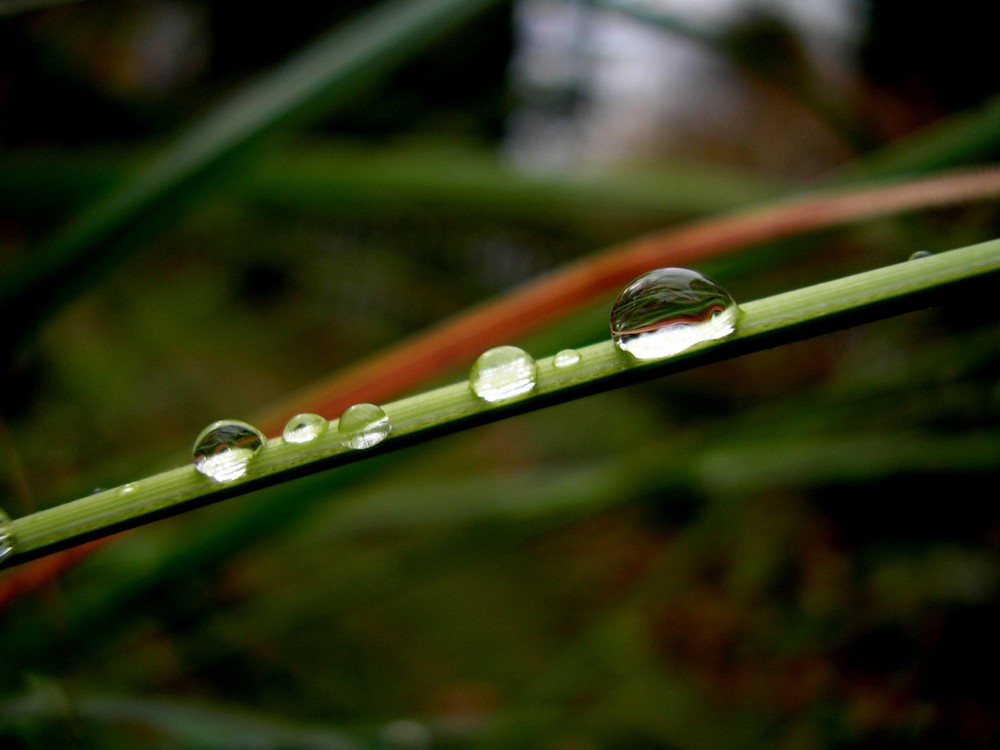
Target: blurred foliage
x,y
795,549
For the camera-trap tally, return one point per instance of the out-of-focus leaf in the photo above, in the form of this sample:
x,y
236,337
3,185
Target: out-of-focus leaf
x,y
325,74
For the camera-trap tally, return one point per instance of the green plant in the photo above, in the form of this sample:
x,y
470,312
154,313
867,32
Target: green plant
x,y
763,323
779,544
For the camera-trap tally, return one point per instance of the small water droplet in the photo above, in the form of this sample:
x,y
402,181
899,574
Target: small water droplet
x,y
125,489
224,449
920,254
304,427
668,310
502,373
6,536
363,425
566,358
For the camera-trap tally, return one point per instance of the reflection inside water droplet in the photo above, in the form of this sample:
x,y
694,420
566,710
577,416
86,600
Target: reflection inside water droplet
x,y
363,425
502,373
6,535
669,310
920,254
566,358
224,449
304,427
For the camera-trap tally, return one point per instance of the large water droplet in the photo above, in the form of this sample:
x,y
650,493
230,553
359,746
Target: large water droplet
x,y
669,310
502,373
224,449
304,427
363,425
566,358
6,536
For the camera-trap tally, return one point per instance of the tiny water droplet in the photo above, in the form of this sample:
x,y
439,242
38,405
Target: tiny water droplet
x,y
304,427
125,489
6,536
363,425
566,358
920,254
502,373
668,310
224,449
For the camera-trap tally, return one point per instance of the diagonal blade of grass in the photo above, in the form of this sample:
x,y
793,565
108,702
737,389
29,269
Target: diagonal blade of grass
x,y
764,323
458,340
326,73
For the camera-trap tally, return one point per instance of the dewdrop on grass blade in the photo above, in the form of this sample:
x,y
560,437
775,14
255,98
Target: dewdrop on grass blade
x,y
503,373
668,310
302,428
6,536
224,449
364,425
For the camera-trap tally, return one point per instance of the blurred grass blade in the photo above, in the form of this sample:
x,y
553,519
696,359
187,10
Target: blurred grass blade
x,y
180,724
324,74
966,137
344,179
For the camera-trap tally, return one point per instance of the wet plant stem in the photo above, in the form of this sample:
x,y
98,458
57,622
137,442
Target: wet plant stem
x,y
763,323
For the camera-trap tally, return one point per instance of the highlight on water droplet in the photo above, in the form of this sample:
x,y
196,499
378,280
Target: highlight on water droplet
x,y
224,449
126,489
304,427
503,373
668,310
363,425
566,358
920,254
6,535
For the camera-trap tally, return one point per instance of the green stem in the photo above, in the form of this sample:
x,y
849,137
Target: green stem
x,y
764,323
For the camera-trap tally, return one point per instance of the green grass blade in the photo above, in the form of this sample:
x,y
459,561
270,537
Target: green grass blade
x,y
343,179
764,323
965,137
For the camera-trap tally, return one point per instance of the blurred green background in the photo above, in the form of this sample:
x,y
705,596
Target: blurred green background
x,y
795,549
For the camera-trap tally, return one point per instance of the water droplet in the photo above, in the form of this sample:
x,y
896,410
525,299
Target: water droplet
x,y
669,310
224,449
920,254
363,425
502,373
304,427
125,489
566,358
6,536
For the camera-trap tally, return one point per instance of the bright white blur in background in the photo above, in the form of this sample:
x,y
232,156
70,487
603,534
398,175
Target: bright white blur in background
x,y
599,88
